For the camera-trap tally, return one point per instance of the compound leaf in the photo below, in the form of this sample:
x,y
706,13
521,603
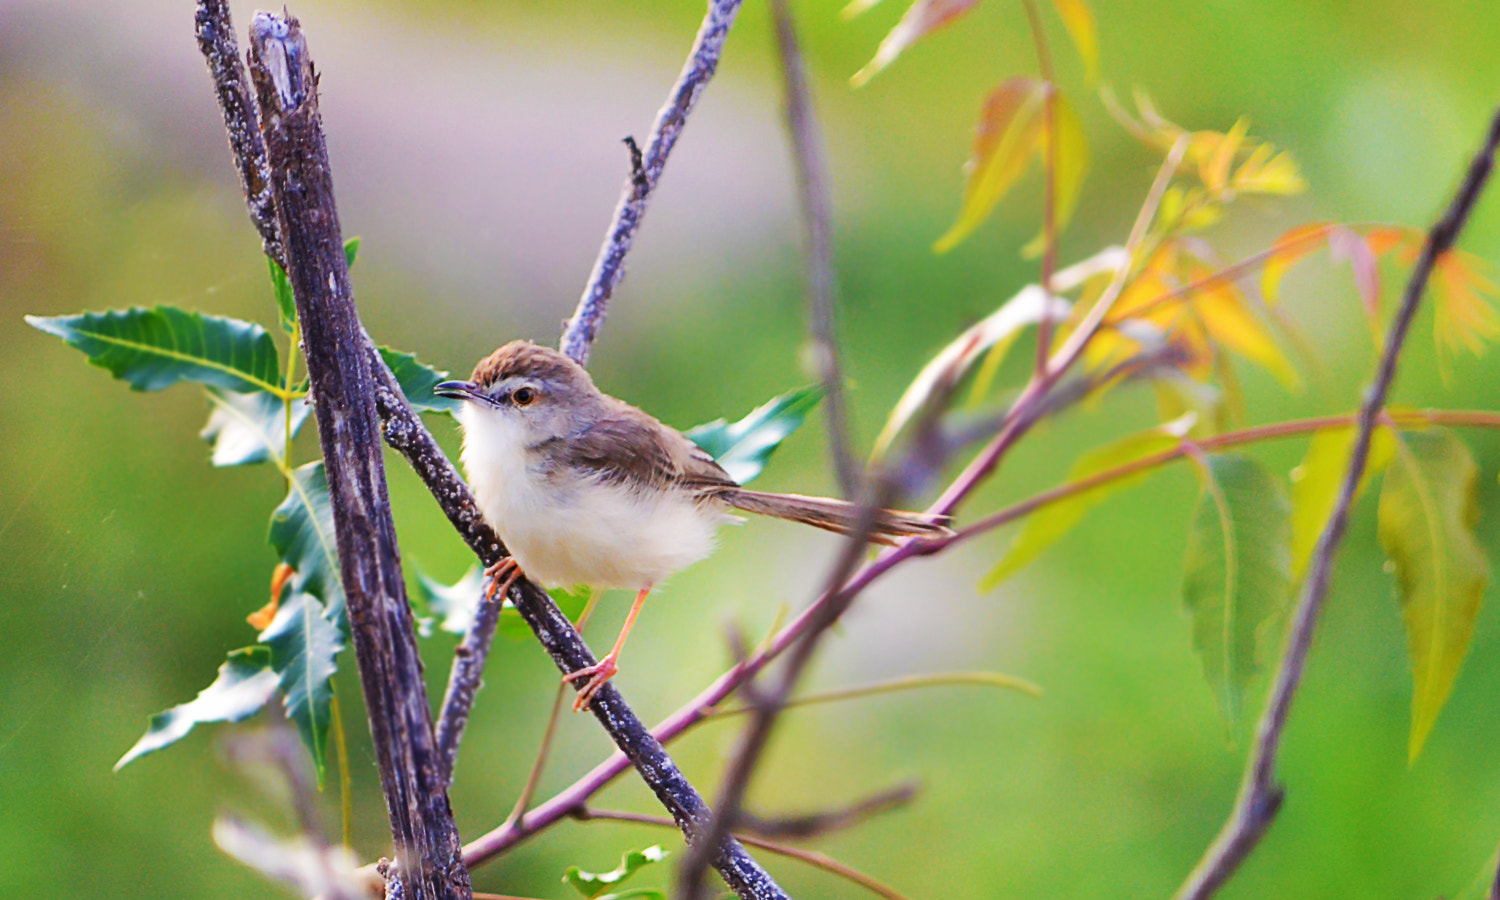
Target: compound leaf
x,y
304,643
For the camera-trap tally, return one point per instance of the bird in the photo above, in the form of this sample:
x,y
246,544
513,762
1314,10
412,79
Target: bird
x,y
586,489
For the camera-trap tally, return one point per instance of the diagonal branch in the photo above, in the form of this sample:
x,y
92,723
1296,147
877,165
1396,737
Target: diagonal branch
x,y
1260,797
380,620
609,268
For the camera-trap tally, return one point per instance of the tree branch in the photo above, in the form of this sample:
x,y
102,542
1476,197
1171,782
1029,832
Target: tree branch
x,y
609,268
822,286
426,840
1260,797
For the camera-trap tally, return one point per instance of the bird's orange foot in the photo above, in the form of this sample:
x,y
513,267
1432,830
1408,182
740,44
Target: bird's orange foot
x,y
598,674
501,576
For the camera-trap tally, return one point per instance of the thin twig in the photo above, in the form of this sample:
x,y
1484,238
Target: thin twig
x,y
817,860
891,686
1260,797
534,777
1049,197
609,268
814,824
465,677
822,287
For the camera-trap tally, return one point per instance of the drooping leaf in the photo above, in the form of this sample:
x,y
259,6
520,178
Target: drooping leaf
x,y
921,19
1427,515
1078,19
244,685
1237,571
1316,482
1050,523
1344,245
1072,166
156,348
304,643
742,448
417,381
249,428
1026,308
1464,315
1222,309
1010,132
592,884
281,289
302,534
308,867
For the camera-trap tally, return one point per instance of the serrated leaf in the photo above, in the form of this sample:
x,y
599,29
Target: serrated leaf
x,y
249,428
304,643
245,683
921,19
302,534
281,289
742,448
1049,524
1072,166
452,605
1078,19
1237,575
1026,308
1427,514
156,348
1010,132
592,884
417,381
1316,482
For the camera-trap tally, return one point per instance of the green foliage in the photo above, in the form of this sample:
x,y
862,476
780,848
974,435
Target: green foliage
x,y
1316,482
1047,526
452,606
156,348
744,447
245,683
302,534
304,642
1427,517
417,381
1238,573
281,289
593,885
250,428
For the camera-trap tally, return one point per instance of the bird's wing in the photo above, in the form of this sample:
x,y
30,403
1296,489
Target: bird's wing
x,y
630,448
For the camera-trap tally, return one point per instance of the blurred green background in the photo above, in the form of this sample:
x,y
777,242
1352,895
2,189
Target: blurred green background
x,y
476,151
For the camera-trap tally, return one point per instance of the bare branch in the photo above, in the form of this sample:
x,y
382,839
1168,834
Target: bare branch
x,y
822,286
380,623
464,680
1260,797
609,268
814,824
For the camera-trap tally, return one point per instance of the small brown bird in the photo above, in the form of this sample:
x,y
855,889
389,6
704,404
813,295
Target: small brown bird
x,y
587,489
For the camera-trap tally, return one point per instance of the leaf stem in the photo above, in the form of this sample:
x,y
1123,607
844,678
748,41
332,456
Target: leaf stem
x,y
895,685
1049,200
346,783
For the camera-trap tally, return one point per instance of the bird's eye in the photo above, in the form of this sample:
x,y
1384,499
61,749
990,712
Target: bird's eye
x,y
523,396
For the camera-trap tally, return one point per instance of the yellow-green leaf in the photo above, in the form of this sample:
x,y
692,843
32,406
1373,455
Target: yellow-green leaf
x,y
1048,525
1079,20
1009,133
1427,517
1072,165
921,19
1237,573
1316,482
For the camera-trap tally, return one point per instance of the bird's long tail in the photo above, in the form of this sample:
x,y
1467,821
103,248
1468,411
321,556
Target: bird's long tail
x,y
838,516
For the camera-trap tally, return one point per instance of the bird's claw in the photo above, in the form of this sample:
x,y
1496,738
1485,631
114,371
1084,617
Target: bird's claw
x,y
598,675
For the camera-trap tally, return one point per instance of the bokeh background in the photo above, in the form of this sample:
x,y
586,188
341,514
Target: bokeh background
x,y
476,151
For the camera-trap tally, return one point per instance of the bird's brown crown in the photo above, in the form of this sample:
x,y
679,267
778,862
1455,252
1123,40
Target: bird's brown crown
x,y
528,360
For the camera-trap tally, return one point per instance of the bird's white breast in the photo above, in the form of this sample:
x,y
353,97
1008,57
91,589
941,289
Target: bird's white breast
x,y
567,529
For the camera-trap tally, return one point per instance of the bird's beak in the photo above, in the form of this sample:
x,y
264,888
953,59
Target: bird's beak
x,y
460,390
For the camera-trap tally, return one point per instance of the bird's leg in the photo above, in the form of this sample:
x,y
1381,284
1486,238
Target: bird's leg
x,y
606,668
507,569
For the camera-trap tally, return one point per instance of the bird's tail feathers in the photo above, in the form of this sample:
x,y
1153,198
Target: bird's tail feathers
x,y
838,516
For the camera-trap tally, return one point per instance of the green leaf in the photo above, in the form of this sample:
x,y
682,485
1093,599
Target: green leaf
x,y
286,304
1316,482
1010,131
1238,573
156,348
1427,515
351,251
249,428
303,536
417,381
995,330
244,685
592,884
1072,167
453,605
1048,525
743,447
571,603
304,643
